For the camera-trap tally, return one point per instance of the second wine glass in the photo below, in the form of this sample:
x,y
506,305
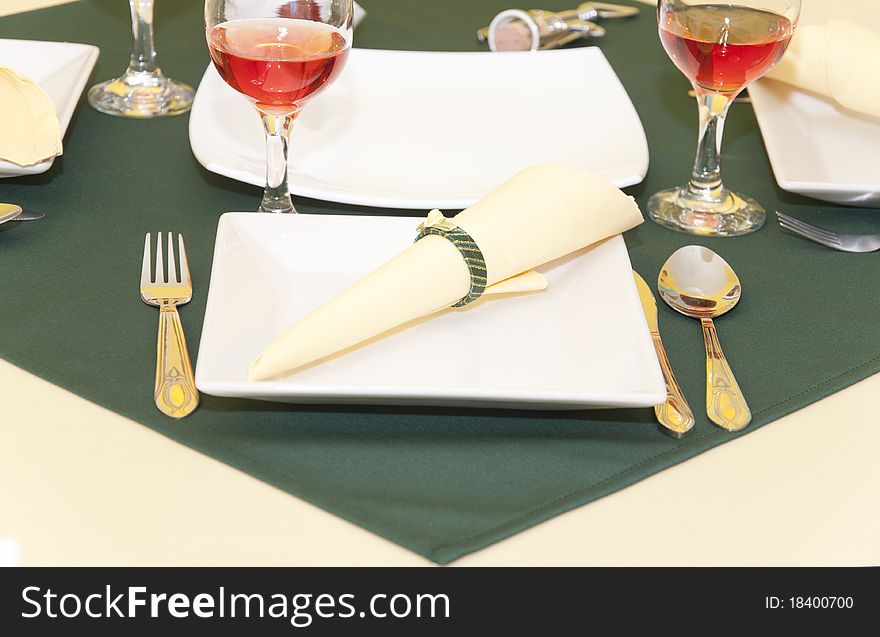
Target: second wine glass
x,y
721,48
143,91
279,54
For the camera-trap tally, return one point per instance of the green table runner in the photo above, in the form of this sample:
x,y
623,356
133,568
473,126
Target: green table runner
x,y
442,482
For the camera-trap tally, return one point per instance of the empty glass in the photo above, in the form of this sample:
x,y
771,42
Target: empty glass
x,y
143,90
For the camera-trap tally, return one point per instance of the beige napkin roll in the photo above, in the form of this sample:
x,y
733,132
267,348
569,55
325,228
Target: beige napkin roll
x,y
541,214
29,128
838,60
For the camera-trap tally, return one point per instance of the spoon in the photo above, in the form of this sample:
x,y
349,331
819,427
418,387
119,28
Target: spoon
x,y
8,212
698,283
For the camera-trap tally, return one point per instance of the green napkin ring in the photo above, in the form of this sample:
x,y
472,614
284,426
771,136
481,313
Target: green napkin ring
x,y
439,225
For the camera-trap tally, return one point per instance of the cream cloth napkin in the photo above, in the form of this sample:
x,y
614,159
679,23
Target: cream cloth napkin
x,y
29,128
539,215
837,60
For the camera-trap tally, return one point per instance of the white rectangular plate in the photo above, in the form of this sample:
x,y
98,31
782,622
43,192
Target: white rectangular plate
x,y
816,147
406,129
582,343
61,69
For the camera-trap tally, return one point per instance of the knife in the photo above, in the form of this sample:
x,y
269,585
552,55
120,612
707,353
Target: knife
x,y
29,215
674,414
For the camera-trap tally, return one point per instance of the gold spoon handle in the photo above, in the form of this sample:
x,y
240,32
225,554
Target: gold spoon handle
x,y
674,415
725,404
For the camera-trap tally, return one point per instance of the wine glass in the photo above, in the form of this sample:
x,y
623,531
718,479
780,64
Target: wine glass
x,y
721,48
143,90
279,54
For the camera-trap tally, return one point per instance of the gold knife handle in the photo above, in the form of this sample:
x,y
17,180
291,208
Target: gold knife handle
x,y
175,392
674,415
725,404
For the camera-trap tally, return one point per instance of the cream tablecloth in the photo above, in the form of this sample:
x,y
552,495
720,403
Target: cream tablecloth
x,y
802,491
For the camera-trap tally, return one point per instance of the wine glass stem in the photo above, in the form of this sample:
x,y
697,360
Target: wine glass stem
x,y
276,196
143,50
705,183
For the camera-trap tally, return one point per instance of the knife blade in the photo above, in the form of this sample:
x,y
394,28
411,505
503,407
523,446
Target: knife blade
x,y
29,215
674,414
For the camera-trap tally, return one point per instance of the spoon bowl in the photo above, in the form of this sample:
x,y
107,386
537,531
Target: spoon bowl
x,y
8,212
700,284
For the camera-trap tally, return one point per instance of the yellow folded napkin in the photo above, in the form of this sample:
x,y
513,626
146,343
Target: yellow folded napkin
x,y
29,128
838,60
541,214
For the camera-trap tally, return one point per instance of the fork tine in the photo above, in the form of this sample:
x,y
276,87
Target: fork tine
x,y
172,266
811,231
184,264
160,265
792,227
145,268
812,237
808,227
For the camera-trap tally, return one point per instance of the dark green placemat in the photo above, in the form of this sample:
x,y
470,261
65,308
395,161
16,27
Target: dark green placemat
x,y
442,482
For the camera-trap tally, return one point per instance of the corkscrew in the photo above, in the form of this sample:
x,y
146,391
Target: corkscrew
x,y
537,29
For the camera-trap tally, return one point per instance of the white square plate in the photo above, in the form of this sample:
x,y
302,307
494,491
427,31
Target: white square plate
x,y
406,129
582,343
61,69
816,147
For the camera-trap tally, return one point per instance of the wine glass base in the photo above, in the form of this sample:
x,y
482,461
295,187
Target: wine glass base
x,y
277,205
141,96
732,216
279,211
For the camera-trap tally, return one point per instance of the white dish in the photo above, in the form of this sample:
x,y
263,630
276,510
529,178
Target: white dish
x,y
61,69
582,343
407,129
816,147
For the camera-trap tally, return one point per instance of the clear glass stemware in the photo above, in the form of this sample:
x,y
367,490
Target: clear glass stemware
x,y
142,91
279,54
721,48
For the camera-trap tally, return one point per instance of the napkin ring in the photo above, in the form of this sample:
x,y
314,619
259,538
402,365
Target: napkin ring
x,y
440,226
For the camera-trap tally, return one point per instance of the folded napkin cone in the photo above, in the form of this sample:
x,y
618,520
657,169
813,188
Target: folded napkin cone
x,y
837,60
29,128
541,214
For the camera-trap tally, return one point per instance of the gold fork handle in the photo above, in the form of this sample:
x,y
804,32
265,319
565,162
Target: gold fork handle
x,y
175,392
674,415
725,404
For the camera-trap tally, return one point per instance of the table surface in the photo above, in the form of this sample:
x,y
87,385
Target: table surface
x,y
801,491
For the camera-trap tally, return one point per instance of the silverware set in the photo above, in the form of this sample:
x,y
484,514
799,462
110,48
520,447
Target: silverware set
x,y
698,283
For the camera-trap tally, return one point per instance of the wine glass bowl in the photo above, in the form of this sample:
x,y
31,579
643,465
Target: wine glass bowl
x,y
720,48
278,54
143,91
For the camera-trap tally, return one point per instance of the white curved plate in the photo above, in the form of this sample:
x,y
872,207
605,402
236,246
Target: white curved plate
x,y
61,69
405,129
816,147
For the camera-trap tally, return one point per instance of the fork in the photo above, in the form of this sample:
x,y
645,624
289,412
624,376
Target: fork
x,y
175,391
842,242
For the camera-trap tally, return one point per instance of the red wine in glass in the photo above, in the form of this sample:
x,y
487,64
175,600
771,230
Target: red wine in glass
x,y
278,62
722,48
